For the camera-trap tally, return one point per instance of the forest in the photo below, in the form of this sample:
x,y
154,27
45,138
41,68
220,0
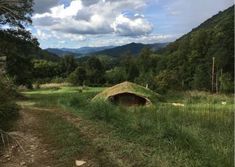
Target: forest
x,y
185,64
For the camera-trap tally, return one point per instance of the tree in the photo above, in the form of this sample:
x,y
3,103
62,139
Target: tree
x,y
201,78
132,72
16,12
116,75
43,69
95,71
144,60
146,78
18,46
13,13
78,77
226,83
166,80
68,65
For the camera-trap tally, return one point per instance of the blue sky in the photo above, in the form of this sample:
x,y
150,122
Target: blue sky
x,y
79,23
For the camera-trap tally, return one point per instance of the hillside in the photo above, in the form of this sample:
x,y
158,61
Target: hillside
x,y
132,48
190,57
61,52
87,50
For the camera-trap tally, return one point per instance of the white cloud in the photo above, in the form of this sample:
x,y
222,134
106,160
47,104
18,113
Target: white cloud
x,y
131,27
61,11
46,35
86,17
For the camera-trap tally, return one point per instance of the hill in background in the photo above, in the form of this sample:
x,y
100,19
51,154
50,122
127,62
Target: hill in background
x,y
190,57
132,48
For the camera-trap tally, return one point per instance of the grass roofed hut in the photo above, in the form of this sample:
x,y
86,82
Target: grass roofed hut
x,y
128,94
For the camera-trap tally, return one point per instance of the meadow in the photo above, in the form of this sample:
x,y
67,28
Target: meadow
x,y
198,134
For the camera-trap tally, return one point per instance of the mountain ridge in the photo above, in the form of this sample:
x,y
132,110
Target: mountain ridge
x,y
114,51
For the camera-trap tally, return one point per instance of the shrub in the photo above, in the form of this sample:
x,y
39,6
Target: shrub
x,y
8,109
77,77
226,83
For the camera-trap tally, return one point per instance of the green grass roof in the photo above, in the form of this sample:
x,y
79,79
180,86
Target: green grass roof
x,y
128,87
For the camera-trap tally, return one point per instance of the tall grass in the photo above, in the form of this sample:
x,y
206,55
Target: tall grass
x,y
199,134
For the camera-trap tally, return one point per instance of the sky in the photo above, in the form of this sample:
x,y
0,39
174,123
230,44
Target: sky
x,y
94,23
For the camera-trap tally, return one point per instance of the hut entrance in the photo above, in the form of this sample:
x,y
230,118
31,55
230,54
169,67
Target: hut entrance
x,y
128,99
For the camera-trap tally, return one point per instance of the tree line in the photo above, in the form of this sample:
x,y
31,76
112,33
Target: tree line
x,y
185,64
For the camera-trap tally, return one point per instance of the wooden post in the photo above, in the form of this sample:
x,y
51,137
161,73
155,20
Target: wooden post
x,y
213,74
217,82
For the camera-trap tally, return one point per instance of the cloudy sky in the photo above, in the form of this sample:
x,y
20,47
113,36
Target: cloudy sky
x,y
78,23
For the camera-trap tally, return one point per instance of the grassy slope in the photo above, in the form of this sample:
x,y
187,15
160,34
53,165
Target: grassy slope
x,y
199,134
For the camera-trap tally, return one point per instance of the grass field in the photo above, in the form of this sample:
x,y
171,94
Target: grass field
x,y
200,134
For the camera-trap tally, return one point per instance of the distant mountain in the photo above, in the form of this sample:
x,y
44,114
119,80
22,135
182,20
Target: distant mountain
x,y
76,52
132,48
61,52
87,50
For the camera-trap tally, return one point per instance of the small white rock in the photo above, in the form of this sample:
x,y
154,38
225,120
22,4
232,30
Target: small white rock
x,y
79,163
178,104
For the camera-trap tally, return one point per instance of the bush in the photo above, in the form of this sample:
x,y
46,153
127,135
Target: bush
x,y
8,113
8,109
226,83
166,80
77,77
58,80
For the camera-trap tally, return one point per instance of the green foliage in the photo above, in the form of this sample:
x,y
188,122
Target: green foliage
x,y
78,77
116,75
201,79
58,80
191,55
166,80
68,65
95,71
227,83
45,69
146,79
16,13
8,108
17,46
146,60
132,72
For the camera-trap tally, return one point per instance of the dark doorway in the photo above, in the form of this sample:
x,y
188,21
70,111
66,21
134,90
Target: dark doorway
x,y
128,99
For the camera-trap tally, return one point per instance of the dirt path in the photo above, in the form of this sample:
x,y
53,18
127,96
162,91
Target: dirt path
x,y
27,150
33,152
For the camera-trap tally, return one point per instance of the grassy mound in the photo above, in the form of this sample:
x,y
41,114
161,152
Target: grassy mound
x,y
128,87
